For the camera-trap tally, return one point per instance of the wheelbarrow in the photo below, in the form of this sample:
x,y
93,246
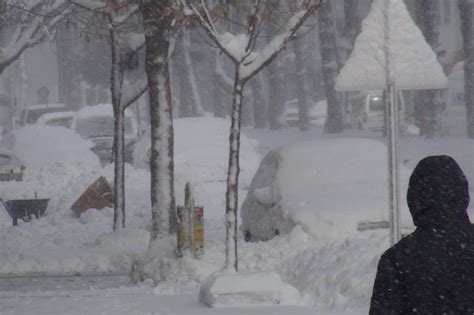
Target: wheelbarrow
x,y
25,209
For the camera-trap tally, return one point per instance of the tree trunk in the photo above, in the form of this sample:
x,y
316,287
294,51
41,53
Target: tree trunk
x,y
119,132
466,8
351,24
232,193
158,30
276,94
119,169
65,56
259,102
334,119
197,108
428,102
302,85
186,106
218,103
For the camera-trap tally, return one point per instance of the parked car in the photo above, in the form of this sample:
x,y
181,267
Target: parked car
x,y
368,110
96,123
31,114
300,184
57,119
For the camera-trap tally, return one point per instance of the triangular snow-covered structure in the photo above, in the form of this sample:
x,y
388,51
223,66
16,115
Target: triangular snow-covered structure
x,y
414,62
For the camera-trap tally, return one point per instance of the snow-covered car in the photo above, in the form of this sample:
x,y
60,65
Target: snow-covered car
x,y
96,123
57,119
301,185
40,145
31,114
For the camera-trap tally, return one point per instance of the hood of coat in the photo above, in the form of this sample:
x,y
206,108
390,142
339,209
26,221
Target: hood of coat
x,y
438,192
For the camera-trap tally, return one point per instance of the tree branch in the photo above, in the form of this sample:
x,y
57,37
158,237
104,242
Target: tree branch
x,y
141,88
271,50
205,21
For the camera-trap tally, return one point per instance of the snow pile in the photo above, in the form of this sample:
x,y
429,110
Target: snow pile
x,y
62,243
336,274
201,151
247,288
414,62
38,145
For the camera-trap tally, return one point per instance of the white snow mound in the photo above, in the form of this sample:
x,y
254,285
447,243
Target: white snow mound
x,y
40,145
247,288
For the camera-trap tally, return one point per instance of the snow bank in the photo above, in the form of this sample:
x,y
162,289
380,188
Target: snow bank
x,y
61,243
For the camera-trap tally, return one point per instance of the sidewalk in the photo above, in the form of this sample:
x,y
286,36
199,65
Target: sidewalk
x,y
125,301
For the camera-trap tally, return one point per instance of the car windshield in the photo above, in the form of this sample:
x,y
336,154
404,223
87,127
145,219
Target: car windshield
x,y
376,103
100,126
34,114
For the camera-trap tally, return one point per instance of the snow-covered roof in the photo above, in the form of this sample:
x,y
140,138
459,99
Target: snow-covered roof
x,y
415,63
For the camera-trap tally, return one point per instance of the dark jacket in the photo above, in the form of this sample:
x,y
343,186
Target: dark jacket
x,y
431,271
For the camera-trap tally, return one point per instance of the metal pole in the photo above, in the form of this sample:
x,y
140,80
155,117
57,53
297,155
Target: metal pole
x,y
393,164
392,135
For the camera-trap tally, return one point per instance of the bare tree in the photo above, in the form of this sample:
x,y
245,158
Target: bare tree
x,y
466,8
117,13
248,60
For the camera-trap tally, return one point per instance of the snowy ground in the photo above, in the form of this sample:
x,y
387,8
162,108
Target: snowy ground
x,y
333,277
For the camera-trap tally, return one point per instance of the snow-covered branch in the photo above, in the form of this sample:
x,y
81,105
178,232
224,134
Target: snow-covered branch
x,y
259,60
35,17
241,48
204,19
253,22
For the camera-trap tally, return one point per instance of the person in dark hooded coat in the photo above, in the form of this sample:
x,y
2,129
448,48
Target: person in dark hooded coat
x,y
431,271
